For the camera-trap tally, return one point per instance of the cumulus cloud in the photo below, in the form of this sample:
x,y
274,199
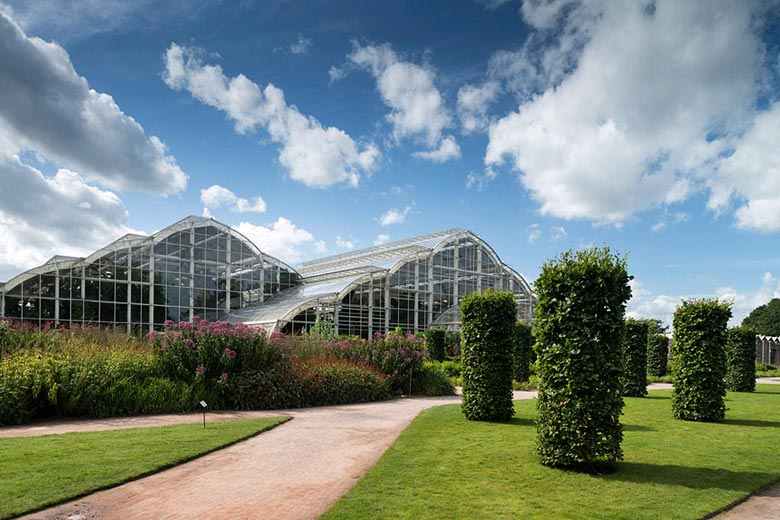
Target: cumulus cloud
x,y
46,107
41,216
312,154
301,45
473,105
645,304
395,216
215,196
282,239
381,239
646,114
336,73
417,107
534,233
344,243
448,149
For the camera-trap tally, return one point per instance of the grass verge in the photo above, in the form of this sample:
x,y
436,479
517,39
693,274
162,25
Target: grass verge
x,y
444,467
37,472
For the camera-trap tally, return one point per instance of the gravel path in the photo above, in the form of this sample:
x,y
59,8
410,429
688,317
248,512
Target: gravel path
x,y
295,471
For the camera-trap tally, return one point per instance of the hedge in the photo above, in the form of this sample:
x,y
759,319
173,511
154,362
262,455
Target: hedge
x,y
488,324
435,342
657,354
579,328
741,360
635,359
521,355
700,360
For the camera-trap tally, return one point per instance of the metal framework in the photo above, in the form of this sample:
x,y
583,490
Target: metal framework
x,y
199,266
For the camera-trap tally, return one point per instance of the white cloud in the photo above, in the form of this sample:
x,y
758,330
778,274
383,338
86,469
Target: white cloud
x,y
216,196
636,107
301,46
473,104
645,304
381,239
312,154
394,216
343,243
448,150
480,180
47,108
282,239
534,233
417,107
336,73
41,216
558,233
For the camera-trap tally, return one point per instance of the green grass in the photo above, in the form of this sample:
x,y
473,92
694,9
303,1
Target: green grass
x,y
36,472
444,467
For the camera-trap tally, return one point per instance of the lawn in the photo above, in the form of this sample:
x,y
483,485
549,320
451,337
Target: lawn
x,y
39,471
445,467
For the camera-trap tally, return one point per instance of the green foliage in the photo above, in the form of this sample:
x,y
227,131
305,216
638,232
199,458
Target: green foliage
x,y
488,335
635,359
451,367
433,380
657,349
700,360
452,341
741,360
435,343
336,381
579,330
765,319
521,352
322,328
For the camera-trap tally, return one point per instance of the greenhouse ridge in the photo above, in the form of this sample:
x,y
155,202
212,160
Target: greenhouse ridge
x,y
201,267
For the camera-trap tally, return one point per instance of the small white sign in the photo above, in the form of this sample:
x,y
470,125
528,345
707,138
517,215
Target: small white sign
x,y
203,404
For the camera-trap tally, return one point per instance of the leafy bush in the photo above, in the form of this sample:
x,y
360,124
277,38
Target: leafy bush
x,y
452,341
488,324
741,360
700,360
635,359
435,343
271,389
337,381
433,380
765,319
657,350
579,328
521,353
451,367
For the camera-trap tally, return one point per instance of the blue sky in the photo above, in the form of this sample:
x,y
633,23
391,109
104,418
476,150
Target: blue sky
x,y
315,127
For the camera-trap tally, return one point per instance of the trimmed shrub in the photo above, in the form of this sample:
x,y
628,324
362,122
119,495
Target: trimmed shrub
x,y
741,360
488,323
521,354
579,330
452,341
435,343
700,360
635,359
657,354
336,381
433,380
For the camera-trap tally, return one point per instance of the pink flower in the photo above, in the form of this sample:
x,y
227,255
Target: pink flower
x,y
224,377
168,323
200,370
189,343
408,360
230,354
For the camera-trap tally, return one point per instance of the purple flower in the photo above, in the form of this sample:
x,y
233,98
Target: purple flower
x,y
408,360
168,323
189,343
230,354
200,370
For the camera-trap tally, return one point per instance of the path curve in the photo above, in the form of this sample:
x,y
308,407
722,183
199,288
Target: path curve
x,y
295,471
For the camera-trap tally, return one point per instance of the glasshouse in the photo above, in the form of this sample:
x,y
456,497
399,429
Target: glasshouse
x,y
200,267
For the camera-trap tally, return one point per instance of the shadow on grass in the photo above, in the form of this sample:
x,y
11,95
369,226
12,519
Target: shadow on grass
x,y
637,428
750,422
690,477
659,397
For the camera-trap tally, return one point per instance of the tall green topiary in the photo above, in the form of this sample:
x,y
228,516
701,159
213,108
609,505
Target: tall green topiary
x,y
488,323
657,349
435,343
635,359
579,330
700,360
521,356
741,360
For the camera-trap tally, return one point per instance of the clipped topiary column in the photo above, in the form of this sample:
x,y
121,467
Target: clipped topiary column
x,y
523,345
657,354
435,343
741,360
699,351
635,359
579,331
488,323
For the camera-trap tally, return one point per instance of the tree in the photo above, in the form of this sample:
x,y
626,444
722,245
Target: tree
x,y
488,337
635,359
579,330
765,319
741,360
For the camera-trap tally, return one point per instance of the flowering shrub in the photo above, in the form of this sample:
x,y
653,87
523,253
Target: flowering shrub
x,y
396,355
208,354
336,381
